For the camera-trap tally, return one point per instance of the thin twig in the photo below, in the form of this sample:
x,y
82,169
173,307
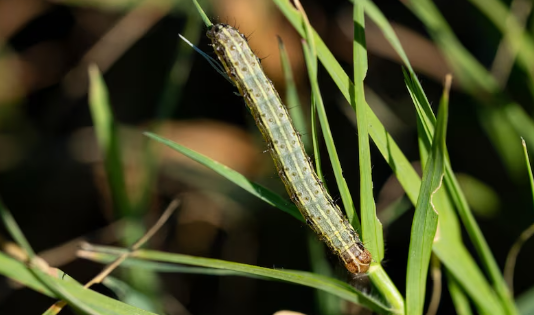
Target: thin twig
x,y
56,308
511,259
436,288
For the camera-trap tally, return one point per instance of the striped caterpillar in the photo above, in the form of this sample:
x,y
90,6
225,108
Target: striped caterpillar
x,y
287,150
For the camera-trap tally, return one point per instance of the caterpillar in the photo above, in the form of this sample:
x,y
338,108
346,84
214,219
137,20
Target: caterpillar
x,y
293,165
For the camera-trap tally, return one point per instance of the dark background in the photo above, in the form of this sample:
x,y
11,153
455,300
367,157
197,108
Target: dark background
x,y
51,174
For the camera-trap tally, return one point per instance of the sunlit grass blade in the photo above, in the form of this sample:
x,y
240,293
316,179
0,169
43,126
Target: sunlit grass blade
x,y
386,144
425,220
202,14
108,142
387,288
426,117
87,301
326,284
107,255
238,179
371,228
14,230
32,260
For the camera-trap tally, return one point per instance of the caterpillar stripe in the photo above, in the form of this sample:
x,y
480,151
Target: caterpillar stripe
x,y
294,166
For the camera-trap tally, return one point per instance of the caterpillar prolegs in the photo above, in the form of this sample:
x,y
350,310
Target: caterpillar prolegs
x,y
287,150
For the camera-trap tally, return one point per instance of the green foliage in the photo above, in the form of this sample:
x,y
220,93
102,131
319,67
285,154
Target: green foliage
x,y
440,204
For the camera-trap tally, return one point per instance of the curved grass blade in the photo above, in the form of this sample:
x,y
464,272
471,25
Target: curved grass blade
x,y
425,220
88,301
43,279
238,179
326,284
509,266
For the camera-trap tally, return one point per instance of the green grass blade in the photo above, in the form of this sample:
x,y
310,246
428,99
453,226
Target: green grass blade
x,y
376,272
529,168
426,116
108,142
405,173
111,254
329,141
14,230
461,265
387,288
400,165
87,301
326,284
327,304
425,220
371,228
238,179
511,259
459,299
16,233
203,15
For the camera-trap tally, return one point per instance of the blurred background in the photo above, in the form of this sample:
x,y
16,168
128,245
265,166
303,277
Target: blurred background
x,y
53,180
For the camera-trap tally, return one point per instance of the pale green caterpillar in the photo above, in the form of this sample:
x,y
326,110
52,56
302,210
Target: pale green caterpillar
x,y
294,167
